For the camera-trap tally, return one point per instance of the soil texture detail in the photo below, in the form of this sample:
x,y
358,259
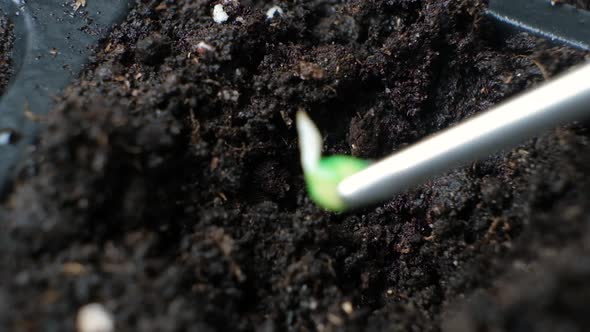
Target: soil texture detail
x,y
166,182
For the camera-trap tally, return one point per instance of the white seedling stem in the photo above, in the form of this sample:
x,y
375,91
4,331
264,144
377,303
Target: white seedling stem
x,y
310,142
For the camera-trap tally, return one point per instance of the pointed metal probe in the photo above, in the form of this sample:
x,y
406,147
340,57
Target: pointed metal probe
x,y
557,102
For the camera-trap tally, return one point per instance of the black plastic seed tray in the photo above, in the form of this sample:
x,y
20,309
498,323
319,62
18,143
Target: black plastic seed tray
x,y
558,22
53,40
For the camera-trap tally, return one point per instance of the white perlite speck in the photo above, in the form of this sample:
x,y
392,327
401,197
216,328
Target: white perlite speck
x,y
219,15
94,317
229,95
272,11
5,138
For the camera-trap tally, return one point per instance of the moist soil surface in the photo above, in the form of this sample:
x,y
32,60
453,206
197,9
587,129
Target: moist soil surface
x,y
166,183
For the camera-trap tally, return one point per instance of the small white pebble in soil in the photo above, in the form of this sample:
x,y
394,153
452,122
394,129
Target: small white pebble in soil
x,y
94,317
312,304
219,14
5,138
347,307
273,11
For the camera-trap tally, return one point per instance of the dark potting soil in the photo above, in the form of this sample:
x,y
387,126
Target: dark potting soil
x,y
167,185
6,42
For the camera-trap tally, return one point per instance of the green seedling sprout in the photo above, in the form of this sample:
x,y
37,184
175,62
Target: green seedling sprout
x,y
323,174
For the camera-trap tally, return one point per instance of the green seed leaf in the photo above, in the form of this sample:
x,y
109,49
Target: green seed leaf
x,y
322,182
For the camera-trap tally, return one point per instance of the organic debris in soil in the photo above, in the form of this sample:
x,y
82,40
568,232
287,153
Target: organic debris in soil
x,y
167,186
